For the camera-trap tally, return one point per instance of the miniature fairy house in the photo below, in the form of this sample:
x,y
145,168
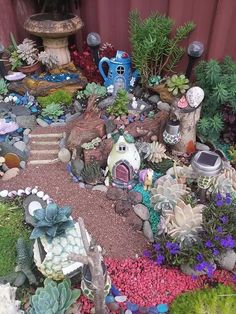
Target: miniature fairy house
x,y
123,161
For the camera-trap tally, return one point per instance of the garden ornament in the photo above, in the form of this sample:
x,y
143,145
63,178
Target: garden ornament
x,y
207,165
172,134
195,96
146,177
119,71
195,50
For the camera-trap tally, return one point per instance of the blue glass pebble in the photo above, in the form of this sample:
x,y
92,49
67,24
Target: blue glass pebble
x,y
56,77
115,291
2,138
109,299
132,306
153,310
19,130
34,109
162,308
8,119
49,121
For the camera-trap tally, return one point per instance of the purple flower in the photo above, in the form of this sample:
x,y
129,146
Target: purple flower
x,y
199,257
210,270
205,266
228,199
219,203
234,278
215,252
173,247
160,259
146,253
224,219
219,230
217,238
218,196
157,246
228,242
168,245
209,244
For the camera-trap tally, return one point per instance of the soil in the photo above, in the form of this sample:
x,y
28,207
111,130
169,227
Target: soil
x,y
109,229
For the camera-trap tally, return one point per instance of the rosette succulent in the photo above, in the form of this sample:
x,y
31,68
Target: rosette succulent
x,y
53,298
183,222
51,221
154,152
224,183
167,193
177,84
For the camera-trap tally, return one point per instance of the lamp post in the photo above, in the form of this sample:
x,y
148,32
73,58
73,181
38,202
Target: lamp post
x,y
195,50
2,67
94,41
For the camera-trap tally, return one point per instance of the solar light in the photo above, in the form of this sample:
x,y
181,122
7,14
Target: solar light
x,y
207,165
94,41
172,134
195,50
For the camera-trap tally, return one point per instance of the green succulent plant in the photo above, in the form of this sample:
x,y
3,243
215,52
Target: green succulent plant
x,y
23,269
58,97
92,89
209,128
232,153
3,87
92,173
52,111
177,84
219,300
53,298
51,221
120,106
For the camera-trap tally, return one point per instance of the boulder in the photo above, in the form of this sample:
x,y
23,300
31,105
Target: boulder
x,y
134,221
98,154
141,211
20,145
135,197
64,155
10,174
227,260
147,231
123,208
116,194
100,187
26,122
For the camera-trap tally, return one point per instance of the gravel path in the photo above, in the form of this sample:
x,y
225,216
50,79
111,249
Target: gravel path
x,y
110,230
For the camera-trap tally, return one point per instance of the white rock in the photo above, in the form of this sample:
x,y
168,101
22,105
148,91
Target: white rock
x,y
121,298
33,206
147,231
141,211
4,193
128,312
35,190
20,145
11,173
20,192
12,194
64,155
14,98
200,146
28,190
40,194
227,261
195,96
26,131
46,197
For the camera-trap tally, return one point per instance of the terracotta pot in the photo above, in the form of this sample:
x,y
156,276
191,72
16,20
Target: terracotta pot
x,y
29,69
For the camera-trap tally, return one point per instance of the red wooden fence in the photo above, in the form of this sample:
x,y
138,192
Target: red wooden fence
x,y
215,20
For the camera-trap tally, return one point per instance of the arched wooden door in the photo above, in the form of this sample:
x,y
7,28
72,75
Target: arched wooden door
x,y
122,172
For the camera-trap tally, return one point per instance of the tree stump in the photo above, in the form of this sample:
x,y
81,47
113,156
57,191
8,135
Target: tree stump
x,y
188,129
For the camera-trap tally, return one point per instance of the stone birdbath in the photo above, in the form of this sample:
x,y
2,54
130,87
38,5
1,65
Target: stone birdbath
x,y
54,31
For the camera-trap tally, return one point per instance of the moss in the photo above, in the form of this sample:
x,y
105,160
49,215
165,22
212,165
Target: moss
x,y
58,97
11,228
219,300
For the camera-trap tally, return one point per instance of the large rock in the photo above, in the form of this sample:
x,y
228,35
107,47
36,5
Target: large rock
x,y
141,211
20,145
147,231
123,207
98,154
135,197
77,165
149,127
64,155
85,131
134,221
227,261
11,173
116,194
26,122
7,148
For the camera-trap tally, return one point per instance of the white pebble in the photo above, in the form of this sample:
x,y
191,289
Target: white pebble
x,y
10,97
20,192
49,201
4,193
121,298
40,194
46,197
34,191
12,193
128,312
15,98
6,99
28,190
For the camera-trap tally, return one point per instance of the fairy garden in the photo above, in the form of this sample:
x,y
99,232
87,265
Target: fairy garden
x,y
117,173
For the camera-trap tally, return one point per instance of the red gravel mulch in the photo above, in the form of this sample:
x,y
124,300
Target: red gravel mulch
x,y
110,230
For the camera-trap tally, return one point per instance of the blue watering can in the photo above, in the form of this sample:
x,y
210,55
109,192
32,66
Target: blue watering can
x,y
119,71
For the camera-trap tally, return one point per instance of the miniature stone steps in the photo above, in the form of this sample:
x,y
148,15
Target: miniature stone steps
x,y
44,148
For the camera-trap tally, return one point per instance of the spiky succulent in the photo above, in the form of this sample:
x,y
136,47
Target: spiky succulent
x,y
51,221
3,87
50,61
183,222
53,298
52,111
154,152
167,193
27,51
92,89
92,174
177,84
224,183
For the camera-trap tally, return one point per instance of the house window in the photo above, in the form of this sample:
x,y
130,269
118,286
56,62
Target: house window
x,y
120,70
122,148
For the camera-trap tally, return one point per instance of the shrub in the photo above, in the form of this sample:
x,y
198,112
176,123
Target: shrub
x,y
219,300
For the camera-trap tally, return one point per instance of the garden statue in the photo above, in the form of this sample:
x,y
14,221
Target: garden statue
x,y
146,177
119,73
124,160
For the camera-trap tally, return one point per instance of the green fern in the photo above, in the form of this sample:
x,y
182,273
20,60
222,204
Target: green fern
x,y
210,128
